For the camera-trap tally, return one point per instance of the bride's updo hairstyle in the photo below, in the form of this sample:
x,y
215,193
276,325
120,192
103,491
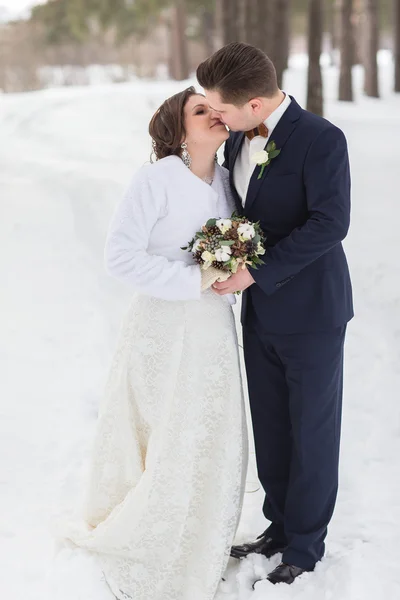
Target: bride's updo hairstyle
x,y
167,127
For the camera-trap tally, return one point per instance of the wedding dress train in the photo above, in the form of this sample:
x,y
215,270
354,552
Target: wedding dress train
x,y
170,453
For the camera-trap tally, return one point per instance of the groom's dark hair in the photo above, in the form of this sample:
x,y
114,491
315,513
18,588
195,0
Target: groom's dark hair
x,y
239,72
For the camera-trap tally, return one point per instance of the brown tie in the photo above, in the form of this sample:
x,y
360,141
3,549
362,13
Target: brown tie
x,y
261,130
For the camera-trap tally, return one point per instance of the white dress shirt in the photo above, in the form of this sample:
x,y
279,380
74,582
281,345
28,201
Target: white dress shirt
x,y
163,208
243,169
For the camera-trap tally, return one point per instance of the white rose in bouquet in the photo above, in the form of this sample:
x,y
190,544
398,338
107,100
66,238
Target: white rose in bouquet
x,y
208,259
224,225
246,231
223,254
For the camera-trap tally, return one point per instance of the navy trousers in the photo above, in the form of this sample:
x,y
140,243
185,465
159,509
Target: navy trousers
x,y
295,387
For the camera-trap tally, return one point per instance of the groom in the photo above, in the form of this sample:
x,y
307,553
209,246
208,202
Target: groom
x,y
296,306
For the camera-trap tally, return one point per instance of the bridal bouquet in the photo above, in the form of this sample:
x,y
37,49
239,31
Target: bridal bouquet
x,y
228,244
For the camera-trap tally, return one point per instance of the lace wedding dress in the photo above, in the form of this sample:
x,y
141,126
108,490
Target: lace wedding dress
x,y
170,453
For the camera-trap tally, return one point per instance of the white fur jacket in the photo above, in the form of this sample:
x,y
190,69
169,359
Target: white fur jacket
x,y
162,209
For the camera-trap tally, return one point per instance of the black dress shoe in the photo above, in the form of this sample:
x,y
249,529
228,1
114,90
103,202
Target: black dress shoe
x,y
283,573
263,545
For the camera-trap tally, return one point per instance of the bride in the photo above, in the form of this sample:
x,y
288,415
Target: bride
x,y
170,454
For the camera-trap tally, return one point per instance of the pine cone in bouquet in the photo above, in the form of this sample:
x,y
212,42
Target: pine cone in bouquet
x,y
228,244
249,247
231,234
219,265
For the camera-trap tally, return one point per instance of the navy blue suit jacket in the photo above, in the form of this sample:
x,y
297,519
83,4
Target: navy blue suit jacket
x,y
303,205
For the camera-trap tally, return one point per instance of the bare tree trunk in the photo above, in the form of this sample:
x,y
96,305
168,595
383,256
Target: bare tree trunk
x,y
245,19
179,63
3,65
208,30
219,21
249,21
371,49
358,31
281,37
397,45
263,38
334,28
315,29
230,21
3,77
346,52
287,34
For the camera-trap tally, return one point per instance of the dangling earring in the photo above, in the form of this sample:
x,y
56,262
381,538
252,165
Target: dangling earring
x,y
153,151
185,156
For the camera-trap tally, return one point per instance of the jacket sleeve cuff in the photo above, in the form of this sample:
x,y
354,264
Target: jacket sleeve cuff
x,y
264,278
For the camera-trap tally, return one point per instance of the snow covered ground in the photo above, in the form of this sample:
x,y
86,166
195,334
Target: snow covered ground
x,y
65,158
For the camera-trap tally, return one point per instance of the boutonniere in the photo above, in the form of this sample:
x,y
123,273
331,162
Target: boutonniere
x,y
264,157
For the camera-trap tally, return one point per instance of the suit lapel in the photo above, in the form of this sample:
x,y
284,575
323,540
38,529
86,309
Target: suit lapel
x,y
280,136
236,146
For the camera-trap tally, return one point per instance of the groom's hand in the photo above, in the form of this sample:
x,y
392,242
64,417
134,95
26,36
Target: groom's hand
x,y
236,283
